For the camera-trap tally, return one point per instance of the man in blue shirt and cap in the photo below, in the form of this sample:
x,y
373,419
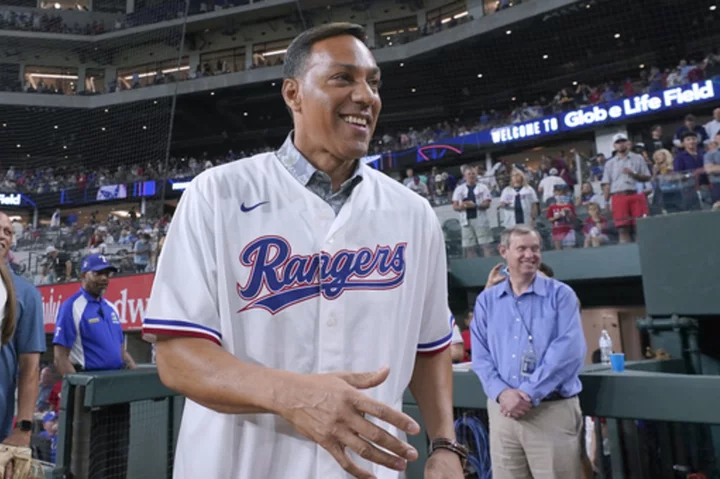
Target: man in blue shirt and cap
x,y
20,358
89,337
88,334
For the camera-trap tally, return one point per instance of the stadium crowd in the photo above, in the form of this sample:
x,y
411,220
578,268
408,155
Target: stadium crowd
x,y
684,174
41,21
131,243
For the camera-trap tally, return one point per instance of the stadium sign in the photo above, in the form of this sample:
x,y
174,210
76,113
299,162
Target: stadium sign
x,y
524,131
10,199
591,116
129,294
640,105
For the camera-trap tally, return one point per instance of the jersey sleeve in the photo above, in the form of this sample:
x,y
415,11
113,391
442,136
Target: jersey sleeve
x,y
485,193
183,301
435,328
533,195
65,330
29,335
458,194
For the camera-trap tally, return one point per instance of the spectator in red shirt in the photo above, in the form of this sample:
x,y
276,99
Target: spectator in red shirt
x,y
54,397
562,215
595,229
466,334
697,73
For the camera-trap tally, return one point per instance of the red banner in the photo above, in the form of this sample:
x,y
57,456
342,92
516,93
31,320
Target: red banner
x,y
129,294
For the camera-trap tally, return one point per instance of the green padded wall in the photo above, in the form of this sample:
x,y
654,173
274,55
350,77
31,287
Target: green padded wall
x,y
680,263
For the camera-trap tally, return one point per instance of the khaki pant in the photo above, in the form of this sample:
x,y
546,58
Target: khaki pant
x,y
543,444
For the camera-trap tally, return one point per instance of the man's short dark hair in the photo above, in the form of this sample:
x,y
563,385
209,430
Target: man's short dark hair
x,y
299,50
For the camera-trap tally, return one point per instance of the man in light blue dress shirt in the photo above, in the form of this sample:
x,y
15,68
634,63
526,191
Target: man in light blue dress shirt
x,y
528,348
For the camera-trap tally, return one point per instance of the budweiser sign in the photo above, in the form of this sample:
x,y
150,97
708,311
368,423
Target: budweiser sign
x,y
129,294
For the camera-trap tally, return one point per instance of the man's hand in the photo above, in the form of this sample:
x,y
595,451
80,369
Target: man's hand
x,y
514,403
444,464
495,276
629,172
330,410
468,205
18,438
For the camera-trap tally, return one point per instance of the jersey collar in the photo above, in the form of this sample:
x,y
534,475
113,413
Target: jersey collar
x,y
303,171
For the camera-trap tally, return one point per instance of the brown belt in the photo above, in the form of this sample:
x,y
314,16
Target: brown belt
x,y
625,193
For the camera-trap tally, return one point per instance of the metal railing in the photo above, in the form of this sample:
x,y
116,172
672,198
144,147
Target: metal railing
x,y
680,409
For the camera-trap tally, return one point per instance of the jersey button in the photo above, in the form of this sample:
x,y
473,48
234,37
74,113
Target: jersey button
x,y
331,322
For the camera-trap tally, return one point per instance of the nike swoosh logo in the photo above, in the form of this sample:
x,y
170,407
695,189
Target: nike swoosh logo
x,y
246,209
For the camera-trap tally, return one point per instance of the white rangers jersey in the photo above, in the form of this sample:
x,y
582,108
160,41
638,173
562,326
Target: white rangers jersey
x,y
259,264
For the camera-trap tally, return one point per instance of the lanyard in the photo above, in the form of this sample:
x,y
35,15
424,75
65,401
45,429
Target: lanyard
x,y
516,310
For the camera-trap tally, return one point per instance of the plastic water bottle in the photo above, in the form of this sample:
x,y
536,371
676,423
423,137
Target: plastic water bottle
x,y
605,347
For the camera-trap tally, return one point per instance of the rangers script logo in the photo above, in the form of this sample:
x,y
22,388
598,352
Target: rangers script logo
x,y
279,279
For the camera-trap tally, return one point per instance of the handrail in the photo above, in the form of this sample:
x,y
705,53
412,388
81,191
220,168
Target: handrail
x,y
647,390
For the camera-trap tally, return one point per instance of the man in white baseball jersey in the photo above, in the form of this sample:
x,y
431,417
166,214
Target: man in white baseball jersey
x,y
471,200
293,296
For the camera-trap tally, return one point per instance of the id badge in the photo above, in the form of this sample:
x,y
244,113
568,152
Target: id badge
x,y
527,362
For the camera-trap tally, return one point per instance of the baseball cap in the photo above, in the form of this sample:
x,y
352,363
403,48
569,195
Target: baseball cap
x,y
50,249
553,171
49,416
620,137
96,262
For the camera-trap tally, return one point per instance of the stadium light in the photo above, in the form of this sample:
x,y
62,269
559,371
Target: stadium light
x,y
166,71
508,32
18,145
402,65
480,75
56,127
713,8
278,52
545,57
617,35
413,90
54,76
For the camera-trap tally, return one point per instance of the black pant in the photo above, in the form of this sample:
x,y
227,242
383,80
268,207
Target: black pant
x,y
109,441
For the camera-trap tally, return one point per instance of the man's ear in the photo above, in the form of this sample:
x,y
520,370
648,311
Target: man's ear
x,y
502,250
291,94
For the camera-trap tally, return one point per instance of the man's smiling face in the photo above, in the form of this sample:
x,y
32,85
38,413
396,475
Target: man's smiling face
x,y
337,101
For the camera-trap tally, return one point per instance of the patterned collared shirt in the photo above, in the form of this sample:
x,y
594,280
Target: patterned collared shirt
x,y
315,180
